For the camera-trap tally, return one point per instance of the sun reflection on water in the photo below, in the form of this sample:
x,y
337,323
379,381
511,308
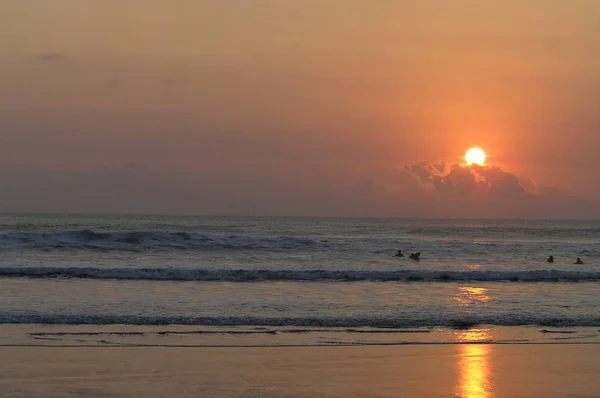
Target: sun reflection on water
x,y
478,335
474,365
468,295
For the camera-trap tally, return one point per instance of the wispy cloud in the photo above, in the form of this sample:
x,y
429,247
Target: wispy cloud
x,y
51,57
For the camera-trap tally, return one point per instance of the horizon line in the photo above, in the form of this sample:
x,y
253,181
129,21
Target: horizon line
x,y
141,214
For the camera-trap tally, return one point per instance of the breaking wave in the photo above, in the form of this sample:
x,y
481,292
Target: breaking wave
x,y
243,275
378,322
139,240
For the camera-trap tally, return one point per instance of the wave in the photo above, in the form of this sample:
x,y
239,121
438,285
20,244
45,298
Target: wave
x,y
402,322
139,240
242,275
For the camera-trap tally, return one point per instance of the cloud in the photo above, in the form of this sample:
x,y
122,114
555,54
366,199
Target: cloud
x,y
51,57
472,181
456,190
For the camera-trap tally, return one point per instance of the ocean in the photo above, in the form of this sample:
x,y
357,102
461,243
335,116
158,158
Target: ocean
x,y
278,281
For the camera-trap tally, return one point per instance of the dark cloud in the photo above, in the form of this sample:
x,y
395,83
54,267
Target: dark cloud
x,y
472,181
51,57
501,183
492,192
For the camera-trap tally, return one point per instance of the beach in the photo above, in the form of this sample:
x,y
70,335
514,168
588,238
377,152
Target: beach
x,y
453,370
167,306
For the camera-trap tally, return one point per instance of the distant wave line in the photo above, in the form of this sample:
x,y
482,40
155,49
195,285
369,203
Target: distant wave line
x,y
136,240
264,275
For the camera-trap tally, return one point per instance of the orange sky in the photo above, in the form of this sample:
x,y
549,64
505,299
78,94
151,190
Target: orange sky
x,y
297,107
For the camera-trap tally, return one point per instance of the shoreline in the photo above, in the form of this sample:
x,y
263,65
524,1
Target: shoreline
x,y
183,336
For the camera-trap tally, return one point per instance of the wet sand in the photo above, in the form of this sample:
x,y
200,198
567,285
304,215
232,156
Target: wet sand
x,y
451,370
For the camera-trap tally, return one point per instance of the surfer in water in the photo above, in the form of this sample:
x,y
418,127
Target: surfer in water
x,y
415,256
399,254
550,259
578,261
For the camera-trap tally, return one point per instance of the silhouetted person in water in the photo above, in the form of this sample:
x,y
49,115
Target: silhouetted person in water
x,y
578,261
399,254
550,259
415,256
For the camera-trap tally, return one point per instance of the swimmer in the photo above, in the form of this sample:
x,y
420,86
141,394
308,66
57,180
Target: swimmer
x,y
578,261
399,254
550,259
415,256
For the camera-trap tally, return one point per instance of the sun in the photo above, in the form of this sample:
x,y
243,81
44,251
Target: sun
x,y
475,156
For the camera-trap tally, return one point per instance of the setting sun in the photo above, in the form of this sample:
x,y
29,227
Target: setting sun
x,y
476,156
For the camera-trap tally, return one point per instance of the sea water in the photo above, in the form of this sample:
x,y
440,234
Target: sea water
x,y
312,280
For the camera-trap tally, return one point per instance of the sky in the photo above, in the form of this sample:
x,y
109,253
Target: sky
x,y
301,108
